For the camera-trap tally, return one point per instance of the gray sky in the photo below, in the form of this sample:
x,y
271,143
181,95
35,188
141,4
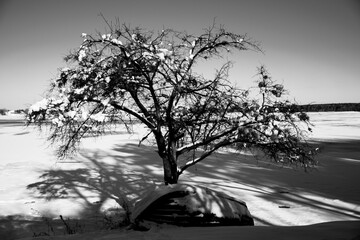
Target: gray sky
x,y
311,46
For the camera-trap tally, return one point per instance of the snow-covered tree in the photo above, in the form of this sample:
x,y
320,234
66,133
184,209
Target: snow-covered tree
x,y
132,74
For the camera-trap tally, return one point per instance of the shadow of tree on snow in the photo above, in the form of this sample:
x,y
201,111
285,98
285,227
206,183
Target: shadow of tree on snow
x,y
127,172
123,177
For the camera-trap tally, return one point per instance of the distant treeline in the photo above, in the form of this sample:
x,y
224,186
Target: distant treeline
x,y
329,107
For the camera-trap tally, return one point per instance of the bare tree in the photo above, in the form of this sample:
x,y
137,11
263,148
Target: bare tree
x,y
131,73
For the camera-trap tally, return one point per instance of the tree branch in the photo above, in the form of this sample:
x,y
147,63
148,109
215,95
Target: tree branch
x,y
133,113
188,164
205,141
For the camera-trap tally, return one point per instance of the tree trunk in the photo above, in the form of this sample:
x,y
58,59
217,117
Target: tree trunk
x,y
171,174
168,156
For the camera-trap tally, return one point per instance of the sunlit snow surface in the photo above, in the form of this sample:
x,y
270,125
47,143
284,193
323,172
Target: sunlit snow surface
x,y
335,125
114,166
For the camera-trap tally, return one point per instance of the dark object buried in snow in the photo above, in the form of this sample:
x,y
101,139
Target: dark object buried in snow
x,y
187,205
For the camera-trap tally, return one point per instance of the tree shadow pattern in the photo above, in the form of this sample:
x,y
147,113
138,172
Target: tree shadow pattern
x,y
102,176
128,172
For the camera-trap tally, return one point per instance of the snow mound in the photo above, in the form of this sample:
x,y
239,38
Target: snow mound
x,y
188,205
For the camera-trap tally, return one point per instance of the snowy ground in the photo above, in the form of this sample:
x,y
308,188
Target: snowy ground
x,y
35,188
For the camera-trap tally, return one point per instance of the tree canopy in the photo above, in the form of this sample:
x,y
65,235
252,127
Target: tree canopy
x,y
133,75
